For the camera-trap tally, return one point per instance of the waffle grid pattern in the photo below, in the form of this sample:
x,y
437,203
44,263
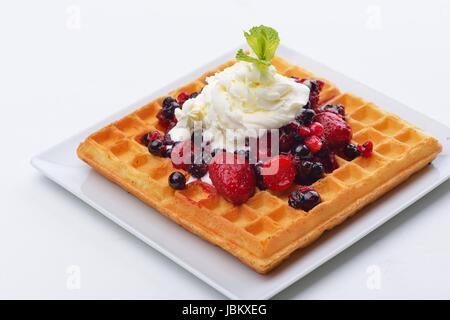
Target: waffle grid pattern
x,y
264,230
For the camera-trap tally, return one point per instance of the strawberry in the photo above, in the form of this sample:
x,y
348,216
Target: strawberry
x,y
278,173
336,131
233,177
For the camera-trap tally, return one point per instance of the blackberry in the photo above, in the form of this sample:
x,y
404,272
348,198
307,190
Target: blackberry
x,y
177,180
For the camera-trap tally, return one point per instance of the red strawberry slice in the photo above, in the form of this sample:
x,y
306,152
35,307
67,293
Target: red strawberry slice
x,y
336,131
278,173
233,177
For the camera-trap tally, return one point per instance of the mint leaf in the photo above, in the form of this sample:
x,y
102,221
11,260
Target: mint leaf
x,y
242,56
264,42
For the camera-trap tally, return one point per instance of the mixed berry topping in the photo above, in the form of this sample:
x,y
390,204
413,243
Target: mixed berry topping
x,y
307,151
315,86
177,180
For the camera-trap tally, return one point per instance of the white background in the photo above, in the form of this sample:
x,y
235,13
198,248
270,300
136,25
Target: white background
x,y
65,65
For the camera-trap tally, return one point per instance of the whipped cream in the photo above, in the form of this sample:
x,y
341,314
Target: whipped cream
x,y
240,98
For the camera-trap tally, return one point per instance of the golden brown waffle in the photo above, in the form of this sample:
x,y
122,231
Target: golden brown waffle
x,y
265,230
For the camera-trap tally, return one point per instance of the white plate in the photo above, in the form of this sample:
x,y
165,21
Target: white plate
x,y
211,264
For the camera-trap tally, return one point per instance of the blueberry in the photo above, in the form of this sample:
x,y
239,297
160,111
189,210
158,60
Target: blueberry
x,y
198,170
305,200
155,147
145,140
317,171
167,113
193,95
168,101
310,199
306,167
167,152
174,105
177,180
298,138
296,199
302,152
335,108
306,116
351,151
259,178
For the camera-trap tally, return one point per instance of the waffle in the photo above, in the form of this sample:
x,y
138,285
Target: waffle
x,y
265,230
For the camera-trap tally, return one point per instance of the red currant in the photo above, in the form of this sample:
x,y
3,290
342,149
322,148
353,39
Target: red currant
x,y
313,143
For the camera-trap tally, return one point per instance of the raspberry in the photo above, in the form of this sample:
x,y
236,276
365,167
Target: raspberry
x,y
278,173
182,97
366,149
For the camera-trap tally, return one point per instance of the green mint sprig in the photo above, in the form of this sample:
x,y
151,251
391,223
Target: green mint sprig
x,y
264,42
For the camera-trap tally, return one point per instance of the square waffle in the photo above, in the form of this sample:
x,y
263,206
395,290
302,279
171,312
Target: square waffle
x,y
265,230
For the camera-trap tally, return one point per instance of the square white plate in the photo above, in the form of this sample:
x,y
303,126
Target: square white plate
x,y
210,263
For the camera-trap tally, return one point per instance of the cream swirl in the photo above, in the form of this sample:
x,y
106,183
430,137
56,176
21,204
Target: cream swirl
x,y
240,98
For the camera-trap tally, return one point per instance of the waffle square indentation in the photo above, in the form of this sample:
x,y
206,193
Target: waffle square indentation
x,y
367,114
410,137
130,126
392,149
350,174
389,126
108,136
